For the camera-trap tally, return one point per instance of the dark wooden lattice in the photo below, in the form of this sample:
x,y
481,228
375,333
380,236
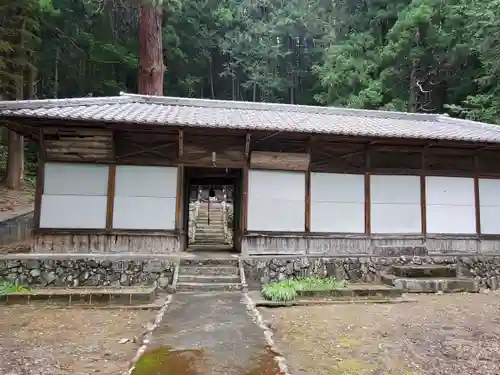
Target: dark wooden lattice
x,y
141,147
329,157
397,161
449,161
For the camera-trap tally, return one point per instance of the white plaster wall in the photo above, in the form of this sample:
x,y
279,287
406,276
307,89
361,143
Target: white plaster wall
x,y
489,203
276,201
450,205
145,197
337,203
395,204
74,196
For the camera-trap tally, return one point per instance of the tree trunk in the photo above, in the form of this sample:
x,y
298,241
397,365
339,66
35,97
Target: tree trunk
x,y
151,48
15,147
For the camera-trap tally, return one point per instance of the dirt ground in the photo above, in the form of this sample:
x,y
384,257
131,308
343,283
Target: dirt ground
x,y
57,341
11,200
455,334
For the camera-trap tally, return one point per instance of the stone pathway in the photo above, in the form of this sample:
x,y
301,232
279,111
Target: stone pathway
x,y
207,334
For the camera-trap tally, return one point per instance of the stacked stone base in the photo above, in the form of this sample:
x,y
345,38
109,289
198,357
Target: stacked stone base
x,y
72,271
485,270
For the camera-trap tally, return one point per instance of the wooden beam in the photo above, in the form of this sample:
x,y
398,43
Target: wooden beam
x,y
476,195
248,139
111,196
40,182
367,192
180,185
423,199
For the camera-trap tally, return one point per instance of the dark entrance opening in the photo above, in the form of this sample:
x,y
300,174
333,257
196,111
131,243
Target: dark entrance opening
x,y
212,213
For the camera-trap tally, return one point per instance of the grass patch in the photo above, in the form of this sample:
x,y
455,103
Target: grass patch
x,y
286,290
8,287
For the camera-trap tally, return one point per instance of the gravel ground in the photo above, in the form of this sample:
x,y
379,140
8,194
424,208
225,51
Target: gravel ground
x,y
439,334
56,341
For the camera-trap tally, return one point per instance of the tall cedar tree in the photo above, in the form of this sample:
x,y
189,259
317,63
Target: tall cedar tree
x,y
151,68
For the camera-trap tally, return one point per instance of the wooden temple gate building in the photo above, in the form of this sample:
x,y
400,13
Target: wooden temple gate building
x,y
114,175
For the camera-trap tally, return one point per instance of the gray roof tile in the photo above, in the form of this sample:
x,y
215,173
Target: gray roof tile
x,y
140,109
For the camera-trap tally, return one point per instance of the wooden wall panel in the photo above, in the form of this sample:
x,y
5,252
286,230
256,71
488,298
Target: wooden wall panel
x,y
76,144
285,161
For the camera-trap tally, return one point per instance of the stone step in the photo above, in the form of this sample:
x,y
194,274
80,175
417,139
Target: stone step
x,y
209,262
83,296
209,270
210,279
431,284
428,270
213,224
207,287
199,242
209,239
210,232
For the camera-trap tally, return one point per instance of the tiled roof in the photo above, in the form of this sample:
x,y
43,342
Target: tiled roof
x,y
206,113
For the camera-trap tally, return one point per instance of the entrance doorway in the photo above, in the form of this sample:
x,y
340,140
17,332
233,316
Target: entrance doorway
x,y
213,208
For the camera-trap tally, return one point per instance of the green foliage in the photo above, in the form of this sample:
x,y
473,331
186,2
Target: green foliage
x,y
286,290
7,287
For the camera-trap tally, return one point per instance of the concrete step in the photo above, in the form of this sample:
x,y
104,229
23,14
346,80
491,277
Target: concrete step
x,y
429,270
432,284
207,287
208,270
209,279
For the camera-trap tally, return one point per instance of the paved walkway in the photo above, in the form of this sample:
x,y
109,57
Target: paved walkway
x,y
207,334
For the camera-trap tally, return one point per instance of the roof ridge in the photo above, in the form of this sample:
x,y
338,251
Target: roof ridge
x,y
465,123
63,102
280,107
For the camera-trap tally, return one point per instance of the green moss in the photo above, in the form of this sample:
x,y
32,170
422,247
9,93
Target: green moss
x,y
163,361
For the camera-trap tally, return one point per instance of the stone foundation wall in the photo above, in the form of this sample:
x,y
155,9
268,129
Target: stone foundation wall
x,y
44,271
262,270
16,228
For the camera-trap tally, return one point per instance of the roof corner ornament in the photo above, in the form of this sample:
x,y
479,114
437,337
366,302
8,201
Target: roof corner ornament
x,y
214,158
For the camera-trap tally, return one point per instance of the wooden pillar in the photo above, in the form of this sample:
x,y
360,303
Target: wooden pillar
x,y
423,199
111,196
367,192
308,189
476,195
244,195
180,185
40,182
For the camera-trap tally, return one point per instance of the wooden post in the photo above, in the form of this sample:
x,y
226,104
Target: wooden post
x,y
476,195
40,182
308,188
367,192
423,200
180,185
244,211
111,196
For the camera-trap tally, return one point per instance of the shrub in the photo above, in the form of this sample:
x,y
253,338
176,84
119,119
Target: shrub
x,y
286,290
